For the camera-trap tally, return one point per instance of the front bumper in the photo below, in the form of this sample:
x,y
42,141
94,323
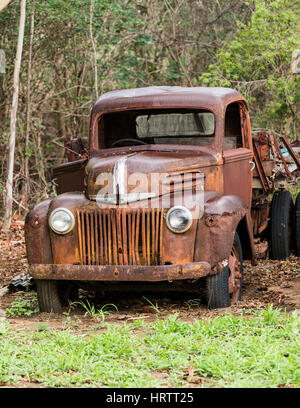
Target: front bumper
x,y
116,273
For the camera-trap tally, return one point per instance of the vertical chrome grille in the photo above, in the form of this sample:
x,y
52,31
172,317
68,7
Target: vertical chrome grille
x,y
118,236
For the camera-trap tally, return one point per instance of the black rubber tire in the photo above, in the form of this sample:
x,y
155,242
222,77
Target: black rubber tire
x,y
48,296
297,225
218,290
281,224
218,295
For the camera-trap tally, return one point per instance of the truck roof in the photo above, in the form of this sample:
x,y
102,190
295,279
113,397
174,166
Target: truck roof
x,y
165,97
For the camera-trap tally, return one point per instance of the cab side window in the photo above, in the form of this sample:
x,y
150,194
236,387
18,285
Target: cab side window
x,y
233,133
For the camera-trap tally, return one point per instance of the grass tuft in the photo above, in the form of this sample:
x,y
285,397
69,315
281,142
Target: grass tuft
x,y
91,311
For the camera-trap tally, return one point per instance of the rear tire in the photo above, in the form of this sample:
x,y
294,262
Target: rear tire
x,y
281,224
297,225
48,297
225,288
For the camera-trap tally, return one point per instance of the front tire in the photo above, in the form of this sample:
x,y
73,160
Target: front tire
x,y
217,290
48,296
225,288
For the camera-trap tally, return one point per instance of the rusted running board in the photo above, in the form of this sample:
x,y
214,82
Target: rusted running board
x,y
120,273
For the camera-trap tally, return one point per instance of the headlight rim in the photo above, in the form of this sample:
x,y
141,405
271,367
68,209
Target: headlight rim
x,y
66,210
190,216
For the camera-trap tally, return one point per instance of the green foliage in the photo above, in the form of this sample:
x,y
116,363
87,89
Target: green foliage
x,y
257,62
294,190
25,306
225,42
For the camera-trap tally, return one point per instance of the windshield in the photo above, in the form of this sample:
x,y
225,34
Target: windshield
x,y
196,127
175,124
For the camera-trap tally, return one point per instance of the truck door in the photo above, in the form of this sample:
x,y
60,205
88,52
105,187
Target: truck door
x,y
237,153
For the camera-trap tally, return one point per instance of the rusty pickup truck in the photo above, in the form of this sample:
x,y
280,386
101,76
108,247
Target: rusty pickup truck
x,y
171,188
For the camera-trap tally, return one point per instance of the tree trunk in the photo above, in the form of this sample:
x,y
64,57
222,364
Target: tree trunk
x,y
13,118
28,113
94,48
4,3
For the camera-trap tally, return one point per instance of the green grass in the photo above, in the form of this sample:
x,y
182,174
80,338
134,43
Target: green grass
x,y
259,350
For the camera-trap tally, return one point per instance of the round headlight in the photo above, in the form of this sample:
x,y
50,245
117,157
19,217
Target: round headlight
x,y
61,220
179,219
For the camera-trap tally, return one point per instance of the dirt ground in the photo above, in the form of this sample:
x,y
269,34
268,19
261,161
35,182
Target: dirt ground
x,y
276,282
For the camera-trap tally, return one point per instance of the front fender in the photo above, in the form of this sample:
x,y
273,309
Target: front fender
x,y
216,229
43,246
37,238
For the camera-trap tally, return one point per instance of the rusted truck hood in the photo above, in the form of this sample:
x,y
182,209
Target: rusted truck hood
x,y
124,174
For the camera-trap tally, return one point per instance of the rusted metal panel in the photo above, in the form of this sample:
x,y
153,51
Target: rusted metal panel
x,y
215,232
65,248
236,163
174,96
179,248
129,243
158,162
38,246
261,141
69,176
260,220
268,166
288,173
267,187
121,273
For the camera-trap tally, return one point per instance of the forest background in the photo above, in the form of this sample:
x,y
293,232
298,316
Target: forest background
x,y
75,50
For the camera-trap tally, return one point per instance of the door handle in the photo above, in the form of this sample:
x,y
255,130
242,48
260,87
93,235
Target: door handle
x,y
253,165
